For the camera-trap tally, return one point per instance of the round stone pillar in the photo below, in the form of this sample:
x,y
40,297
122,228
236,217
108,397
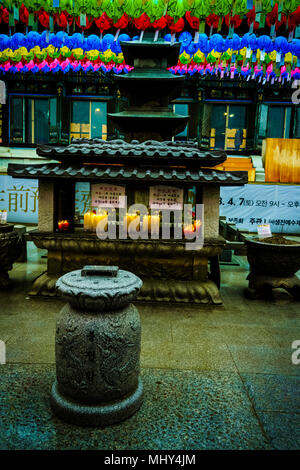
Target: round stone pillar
x,y
97,347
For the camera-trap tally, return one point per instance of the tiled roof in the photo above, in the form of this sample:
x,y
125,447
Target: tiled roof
x,y
122,173
114,151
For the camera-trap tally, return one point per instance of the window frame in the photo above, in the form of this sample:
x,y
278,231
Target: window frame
x,y
227,103
26,97
90,99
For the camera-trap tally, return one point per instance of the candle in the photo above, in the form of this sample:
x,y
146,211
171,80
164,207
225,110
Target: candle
x,y
197,224
154,224
63,225
97,218
130,218
189,230
87,221
92,220
151,223
146,223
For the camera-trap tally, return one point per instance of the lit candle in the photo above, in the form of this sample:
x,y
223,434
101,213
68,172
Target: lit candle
x,y
63,225
130,218
87,221
197,224
97,218
146,223
66,225
154,224
189,230
92,221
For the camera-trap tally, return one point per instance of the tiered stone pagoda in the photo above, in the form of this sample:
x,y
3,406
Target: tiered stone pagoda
x,y
146,160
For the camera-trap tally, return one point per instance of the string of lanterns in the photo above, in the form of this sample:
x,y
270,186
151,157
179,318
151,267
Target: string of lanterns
x,y
157,14
248,56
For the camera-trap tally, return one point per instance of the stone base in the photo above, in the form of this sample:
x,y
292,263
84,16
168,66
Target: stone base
x,y
5,281
10,249
261,286
95,415
153,290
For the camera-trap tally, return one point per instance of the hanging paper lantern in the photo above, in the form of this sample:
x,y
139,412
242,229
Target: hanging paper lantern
x,y
202,43
167,38
234,21
216,43
124,37
24,14
249,41
142,23
233,43
295,46
75,41
175,27
264,43
185,38
108,39
212,20
281,45
4,42
159,24
294,19
193,21
103,22
32,38
251,19
43,18
17,40
4,15
62,20
88,22
122,22
272,18
93,42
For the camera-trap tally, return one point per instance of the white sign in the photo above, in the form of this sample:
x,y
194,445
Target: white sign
x,y
107,195
166,197
255,204
264,231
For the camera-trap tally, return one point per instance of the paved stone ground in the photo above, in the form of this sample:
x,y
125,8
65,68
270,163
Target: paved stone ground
x,y
214,378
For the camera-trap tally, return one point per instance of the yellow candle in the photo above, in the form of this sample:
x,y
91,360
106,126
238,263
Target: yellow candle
x,y
87,221
93,215
130,218
154,224
97,218
146,223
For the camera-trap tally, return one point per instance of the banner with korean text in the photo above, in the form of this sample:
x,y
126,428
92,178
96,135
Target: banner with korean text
x,y
254,204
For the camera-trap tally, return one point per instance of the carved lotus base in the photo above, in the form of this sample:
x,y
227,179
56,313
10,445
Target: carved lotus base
x,y
261,286
170,272
153,290
95,415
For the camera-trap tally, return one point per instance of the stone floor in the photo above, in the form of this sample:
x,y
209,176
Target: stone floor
x,y
214,378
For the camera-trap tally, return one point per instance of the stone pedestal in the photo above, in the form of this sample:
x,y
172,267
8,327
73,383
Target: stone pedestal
x,y
272,266
261,286
10,250
98,348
